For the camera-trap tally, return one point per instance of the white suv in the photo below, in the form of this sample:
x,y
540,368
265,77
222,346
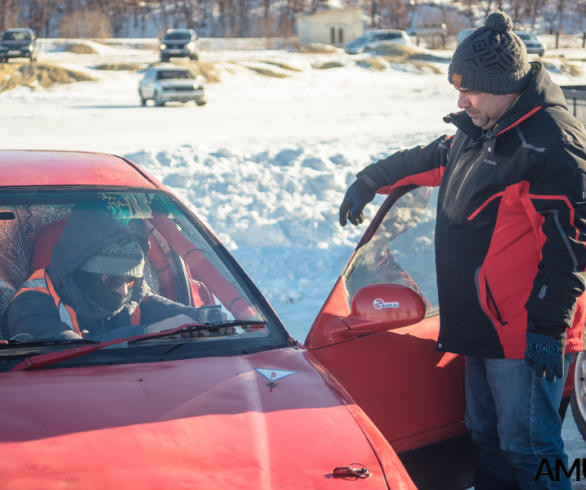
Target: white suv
x,y
169,83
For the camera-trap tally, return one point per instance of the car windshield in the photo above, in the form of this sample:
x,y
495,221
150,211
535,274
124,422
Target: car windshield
x,y
173,75
177,36
16,36
525,36
401,250
101,265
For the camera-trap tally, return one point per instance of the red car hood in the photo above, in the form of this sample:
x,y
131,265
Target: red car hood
x,y
198,423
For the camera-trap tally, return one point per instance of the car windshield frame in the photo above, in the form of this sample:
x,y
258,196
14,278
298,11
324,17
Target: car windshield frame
x,y
274,336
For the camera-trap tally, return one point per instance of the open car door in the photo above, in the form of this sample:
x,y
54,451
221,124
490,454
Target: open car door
x,y
377,333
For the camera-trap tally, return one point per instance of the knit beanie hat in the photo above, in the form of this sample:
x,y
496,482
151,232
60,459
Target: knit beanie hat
x,y
122,258
491,59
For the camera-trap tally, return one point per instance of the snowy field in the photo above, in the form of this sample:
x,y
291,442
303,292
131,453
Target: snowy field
x,y
265,163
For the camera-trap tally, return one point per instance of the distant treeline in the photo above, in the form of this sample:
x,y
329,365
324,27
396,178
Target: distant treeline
x,y
212,18
257,18
136,18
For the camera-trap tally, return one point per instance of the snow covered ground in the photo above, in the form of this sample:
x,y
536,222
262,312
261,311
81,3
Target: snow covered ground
x,y
265,163
274,155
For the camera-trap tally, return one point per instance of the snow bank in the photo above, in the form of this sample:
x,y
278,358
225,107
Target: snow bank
x,y
97,48
287,197
277,210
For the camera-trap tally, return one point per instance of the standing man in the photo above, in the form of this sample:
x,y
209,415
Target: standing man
x,y
510,245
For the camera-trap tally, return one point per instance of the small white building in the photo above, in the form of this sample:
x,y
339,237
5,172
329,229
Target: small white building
x,y
332,26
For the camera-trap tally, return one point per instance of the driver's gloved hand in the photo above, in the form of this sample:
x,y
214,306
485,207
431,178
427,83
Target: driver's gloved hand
x,y
545,351
358,195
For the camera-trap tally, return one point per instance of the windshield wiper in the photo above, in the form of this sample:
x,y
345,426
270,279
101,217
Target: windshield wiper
x,y
199,327
43,360
18,343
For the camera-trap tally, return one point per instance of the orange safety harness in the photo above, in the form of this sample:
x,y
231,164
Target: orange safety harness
x,y
41,282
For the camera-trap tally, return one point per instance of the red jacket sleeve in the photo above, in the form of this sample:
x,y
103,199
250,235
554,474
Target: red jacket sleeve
x,y
422,165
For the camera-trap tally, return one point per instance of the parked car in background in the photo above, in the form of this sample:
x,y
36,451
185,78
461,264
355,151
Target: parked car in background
x,y
18,43
373,39
464,33
168,83
533,45
179,43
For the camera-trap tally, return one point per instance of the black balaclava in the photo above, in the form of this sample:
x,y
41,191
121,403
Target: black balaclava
x,y
108,301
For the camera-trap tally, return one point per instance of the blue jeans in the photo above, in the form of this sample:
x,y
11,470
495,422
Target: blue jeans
x,y
513,419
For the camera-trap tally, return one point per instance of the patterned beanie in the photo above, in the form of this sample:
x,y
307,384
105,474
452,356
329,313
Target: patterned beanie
x,y
491,59
122,258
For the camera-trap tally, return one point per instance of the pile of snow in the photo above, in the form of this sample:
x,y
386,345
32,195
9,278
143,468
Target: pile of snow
x,y
91,46
288,197
276,210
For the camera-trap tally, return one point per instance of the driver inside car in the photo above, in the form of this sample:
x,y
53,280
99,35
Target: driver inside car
x,y
95,287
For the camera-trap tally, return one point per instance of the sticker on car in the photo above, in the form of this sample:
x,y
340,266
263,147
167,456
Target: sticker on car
x,y
379,304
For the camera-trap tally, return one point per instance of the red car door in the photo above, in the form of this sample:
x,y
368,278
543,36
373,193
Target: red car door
x,y
377,331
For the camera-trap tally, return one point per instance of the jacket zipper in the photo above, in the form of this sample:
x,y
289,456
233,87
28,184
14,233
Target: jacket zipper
x,y
464,180
449,186
491,298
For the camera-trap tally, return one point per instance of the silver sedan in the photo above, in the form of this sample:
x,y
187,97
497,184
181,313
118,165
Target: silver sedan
x,y
168,83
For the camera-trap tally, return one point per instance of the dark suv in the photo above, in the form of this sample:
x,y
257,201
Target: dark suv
x,y
18,43
179,43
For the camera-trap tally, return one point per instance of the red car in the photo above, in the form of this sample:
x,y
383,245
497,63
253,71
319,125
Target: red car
x,y
251,409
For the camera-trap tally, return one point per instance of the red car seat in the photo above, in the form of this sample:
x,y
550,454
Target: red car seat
x,y
45,240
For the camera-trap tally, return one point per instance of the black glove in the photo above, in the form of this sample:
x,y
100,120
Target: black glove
x,y
545,351
358,195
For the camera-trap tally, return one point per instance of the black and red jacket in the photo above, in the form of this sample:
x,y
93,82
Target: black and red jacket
x,y
511,223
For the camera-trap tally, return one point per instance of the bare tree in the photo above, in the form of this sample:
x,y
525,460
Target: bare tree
x,y
85,24
266,9
561,5
9,13
486,6
517,9
396,13
549,14
533,10
469,6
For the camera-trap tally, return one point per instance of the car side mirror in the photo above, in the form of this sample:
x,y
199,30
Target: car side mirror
x,y
378,308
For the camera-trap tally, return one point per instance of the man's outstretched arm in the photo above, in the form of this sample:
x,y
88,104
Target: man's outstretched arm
x,y
419,166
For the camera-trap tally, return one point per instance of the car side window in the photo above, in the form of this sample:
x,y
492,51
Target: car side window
x,y
401,250
392,35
